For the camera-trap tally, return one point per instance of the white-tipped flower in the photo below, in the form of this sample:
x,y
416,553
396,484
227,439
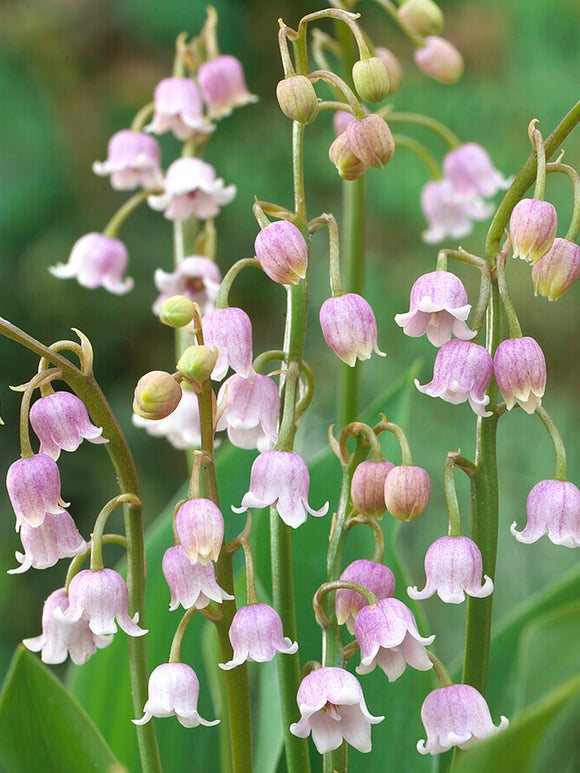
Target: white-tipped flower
x,y
256,634
349,327
61,422
199,525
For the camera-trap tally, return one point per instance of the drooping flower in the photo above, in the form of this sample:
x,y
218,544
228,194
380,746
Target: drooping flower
x,y
453,567
407,491
370,139
60,638
282,252
178,108
101,597
367,488
196,277
97,260
349,327
439,59
449,214
378,578
557,271
297,98
230,332
438,307
191,585
388,637
61,422
173,690
191,188
181,428
471,172
519,367
553,508
249,408
223,85
462,371
199,526
349,166
333,708
256,634
34,489
533,226
456,715
56,537
133,159
280,478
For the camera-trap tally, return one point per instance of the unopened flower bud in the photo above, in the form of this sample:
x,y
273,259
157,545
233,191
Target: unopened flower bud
x,y
341,120
157,394
367,489
282,252
423,17
349,166
407,491
371,79
371,141
393,67
197,362
553,274
297,98
533,226
440,60
176,311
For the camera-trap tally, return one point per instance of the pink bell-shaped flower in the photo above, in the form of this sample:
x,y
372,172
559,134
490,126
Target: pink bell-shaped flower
x,y
378,578
230,332
471,172
439,59
519,367
249,408
456,715
60,638
553,508
533,226
280,478
56,537
181,428
191,188
462,371
448,213
453,567
133,160
61,422
438,307
388,637
256,634
34,489
333,709
178,108
173,691
367,488
196,277
199,525
97,260
282,252
557,271
101,597
349,327
191,585
223,85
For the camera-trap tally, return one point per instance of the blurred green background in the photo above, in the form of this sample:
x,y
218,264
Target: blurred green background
x,y
74,71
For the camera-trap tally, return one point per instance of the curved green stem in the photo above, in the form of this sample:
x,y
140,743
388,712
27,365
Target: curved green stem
x,y
559,448
101,522
387,426
401,140
451,495
572,233
514,327
175,652
222,300
436,127
113,226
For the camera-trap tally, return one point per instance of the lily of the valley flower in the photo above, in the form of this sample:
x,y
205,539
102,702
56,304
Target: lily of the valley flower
x,y
249,408
376,577
178,108
230,332
97,260
472,173
199,525
34,489
223,85
553,508
256,634
533,226
57,537
349,327
191,585
448,213
196,277
133,159
61,422
519,367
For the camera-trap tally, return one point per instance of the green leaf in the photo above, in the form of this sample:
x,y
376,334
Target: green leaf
x,y
43,728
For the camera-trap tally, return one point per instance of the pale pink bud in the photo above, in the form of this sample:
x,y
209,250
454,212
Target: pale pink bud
x,y
34,489
519,367
371,141
553,508
349,327
56,537
341,120
349,166
199,526
557,271
440,60
367,488
448,213
376,577
191,585
173,691
97,260
61,421
471,172
256,635
178,108
282,251
393,67
297,98
533,226
223,85
133,160
230,332
407,492
196,277
249,409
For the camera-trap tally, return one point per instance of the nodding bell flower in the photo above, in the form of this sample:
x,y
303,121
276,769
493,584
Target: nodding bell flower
x,y
191,188
367,488
182,428
407,492
439,59
349,327
519,366
34,489
195,277
100,596
456,715
191,585
256,635
378,578
133,160
471,172
448,213
553,508
223,85
388,637
60,638
178,108
333,709
462,371
282,252
173,691
97,260
557,271
280,478
56,537
438,307
348,165
61,422
230,332
370,140
453,567
249,409
533,226
199,526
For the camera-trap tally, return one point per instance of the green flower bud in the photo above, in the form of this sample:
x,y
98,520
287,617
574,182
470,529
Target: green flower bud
x,y
371,79
157,394
297,98
176,311
423,17
197,362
